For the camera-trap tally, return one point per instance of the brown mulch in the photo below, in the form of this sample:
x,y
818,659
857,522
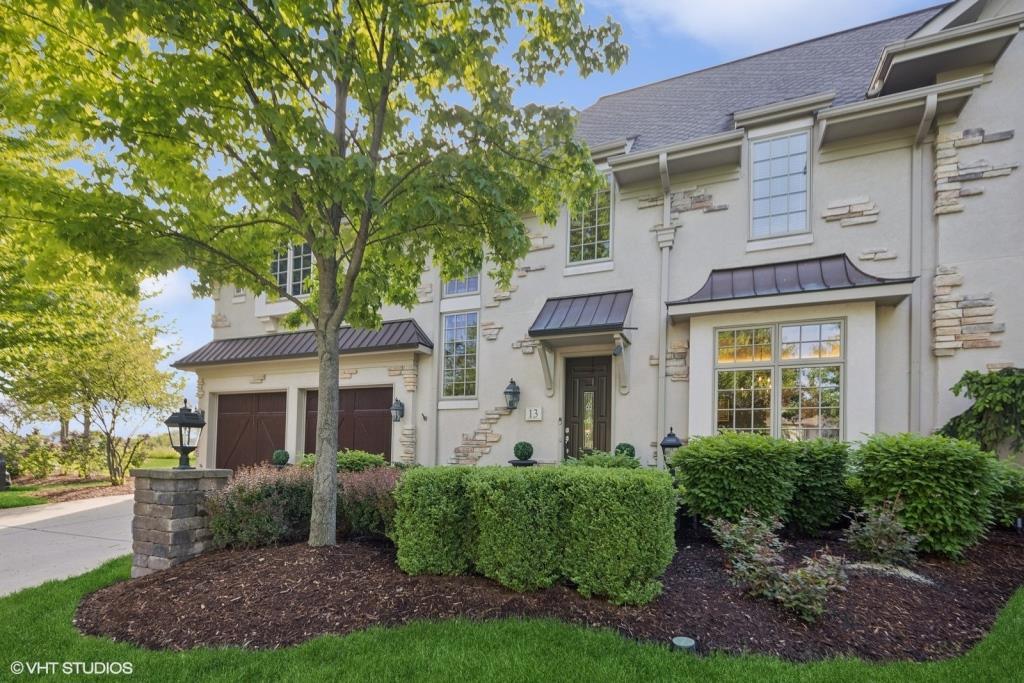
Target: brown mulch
x,y
276,597
74,490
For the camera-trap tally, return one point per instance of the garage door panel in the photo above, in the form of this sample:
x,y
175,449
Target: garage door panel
x,y
364,420
250,427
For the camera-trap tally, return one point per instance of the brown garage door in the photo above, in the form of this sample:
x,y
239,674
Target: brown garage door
x,y
250,427
364,420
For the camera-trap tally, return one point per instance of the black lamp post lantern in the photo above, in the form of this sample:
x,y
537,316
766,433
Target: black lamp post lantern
x,y
397,411
512,395
670,443
184,428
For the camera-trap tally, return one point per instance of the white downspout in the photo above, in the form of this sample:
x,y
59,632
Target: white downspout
x,y
666,237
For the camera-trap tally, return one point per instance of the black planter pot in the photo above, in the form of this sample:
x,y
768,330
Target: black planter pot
x,y
516,462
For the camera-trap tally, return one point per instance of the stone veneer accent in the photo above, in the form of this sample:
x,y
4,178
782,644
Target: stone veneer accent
x,y
950,174
474,446
851,212
170,523
347,373
407,440
540,241
877,254
219,320
490,330
683,201
425,293
527,345
961,321
410,376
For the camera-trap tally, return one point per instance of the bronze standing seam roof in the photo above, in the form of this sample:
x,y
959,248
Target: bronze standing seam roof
x,y
393,335
789,277
605,311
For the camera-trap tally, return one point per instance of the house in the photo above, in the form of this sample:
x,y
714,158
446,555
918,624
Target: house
x,y
813,241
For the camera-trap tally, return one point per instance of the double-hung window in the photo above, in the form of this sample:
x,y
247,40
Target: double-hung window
x,y
779,186
462,286
590,232
460,355
291,267
781,379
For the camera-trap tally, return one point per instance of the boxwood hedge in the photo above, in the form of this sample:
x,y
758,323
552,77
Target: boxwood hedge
x,y
819,486
433,525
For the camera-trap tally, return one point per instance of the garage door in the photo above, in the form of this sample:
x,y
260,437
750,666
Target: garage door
x,y
364,420
250,427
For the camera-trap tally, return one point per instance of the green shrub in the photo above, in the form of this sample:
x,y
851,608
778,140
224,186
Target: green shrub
x,y
433,525
609,531
10,451
357,461
625,449
82,455
367,500
730,474
523,450
878,533
280,457
755,562
603,459
619,531
38,456
308,460
261,506
819,491
1008,501
945,487
518,518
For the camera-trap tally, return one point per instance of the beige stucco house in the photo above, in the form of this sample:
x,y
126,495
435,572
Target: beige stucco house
x,y
814,241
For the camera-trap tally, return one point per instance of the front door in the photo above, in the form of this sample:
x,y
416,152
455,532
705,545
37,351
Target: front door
x,y
588,404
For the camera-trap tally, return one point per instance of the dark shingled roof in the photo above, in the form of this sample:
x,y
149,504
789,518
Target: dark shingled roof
x,y
392,336
789,277
582,313
702,103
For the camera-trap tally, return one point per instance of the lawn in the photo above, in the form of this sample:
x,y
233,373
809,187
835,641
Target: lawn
x,y
37,628
162,457
22,495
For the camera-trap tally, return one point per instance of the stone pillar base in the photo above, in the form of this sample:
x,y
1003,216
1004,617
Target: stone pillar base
x,y
170,523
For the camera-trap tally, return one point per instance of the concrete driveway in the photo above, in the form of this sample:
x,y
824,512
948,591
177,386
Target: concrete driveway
x,y
59,540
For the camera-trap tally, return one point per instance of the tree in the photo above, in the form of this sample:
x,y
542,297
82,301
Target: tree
x,y
380,133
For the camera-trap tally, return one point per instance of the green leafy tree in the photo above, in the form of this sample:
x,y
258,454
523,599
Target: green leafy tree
x,y
380,133
996,418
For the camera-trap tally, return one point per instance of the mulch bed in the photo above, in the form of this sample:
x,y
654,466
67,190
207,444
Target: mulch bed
x,y
276,597
74,491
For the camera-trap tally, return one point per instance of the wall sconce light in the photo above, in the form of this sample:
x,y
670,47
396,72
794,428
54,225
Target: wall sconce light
x,y
512,394
397,411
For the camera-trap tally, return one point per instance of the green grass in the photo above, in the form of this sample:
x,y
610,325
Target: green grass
x,y
22,494
36,626
19,496
162,457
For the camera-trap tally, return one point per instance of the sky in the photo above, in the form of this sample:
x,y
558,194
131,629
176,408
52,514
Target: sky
x,y
666,38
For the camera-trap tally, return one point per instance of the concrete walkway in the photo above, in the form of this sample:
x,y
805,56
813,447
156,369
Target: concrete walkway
x,y
59,540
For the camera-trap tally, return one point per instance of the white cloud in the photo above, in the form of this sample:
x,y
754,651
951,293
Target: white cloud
x,y
741,27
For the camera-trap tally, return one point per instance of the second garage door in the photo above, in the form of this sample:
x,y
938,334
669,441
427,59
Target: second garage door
x,y
364,420
250,427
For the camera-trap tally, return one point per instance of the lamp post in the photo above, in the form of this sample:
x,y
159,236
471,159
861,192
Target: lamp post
x,y
397,411
183,429
512,395
670,443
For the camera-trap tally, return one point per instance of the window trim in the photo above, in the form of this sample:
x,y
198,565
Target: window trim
x,y
768,134
612,193
290,272
444,341
777,364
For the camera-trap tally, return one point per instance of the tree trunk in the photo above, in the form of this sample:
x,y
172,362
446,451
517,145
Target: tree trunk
x,y
64,431
87,423
113,464
323,521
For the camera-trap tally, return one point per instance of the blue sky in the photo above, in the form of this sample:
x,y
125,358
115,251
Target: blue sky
x,y
666,38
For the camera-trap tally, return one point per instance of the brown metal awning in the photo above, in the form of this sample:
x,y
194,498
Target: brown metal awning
x,y
603,312
790,277
394,335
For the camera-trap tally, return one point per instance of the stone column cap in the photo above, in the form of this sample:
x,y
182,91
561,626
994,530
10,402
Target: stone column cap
x,y
168,473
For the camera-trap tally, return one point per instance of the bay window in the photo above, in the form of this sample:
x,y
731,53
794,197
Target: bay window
x,y
781,379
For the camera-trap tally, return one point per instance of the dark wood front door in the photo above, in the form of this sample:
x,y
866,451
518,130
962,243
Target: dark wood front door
x,y
250,427
588,404
364,420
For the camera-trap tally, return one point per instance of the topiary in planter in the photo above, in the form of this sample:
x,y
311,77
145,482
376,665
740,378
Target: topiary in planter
x,y
280,457
523,450
625,449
